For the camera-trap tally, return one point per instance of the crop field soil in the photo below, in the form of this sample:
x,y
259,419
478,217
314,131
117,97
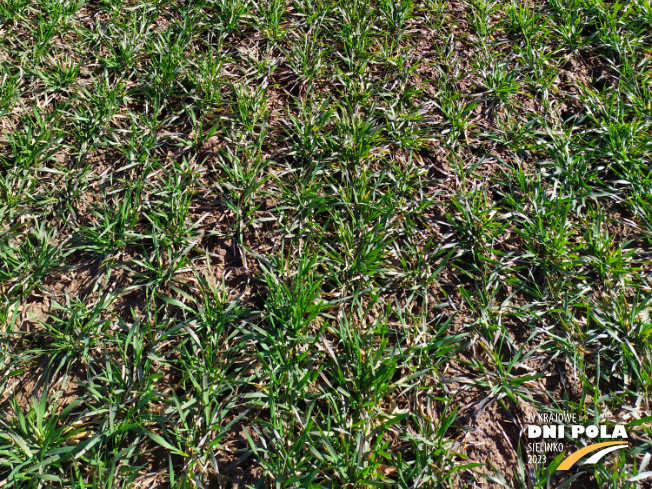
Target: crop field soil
x,y
324,244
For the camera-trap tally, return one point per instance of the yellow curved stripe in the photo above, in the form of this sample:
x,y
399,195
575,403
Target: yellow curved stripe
x,y
571,459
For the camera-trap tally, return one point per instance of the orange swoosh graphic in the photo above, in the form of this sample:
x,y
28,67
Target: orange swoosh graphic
x,y
571,459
